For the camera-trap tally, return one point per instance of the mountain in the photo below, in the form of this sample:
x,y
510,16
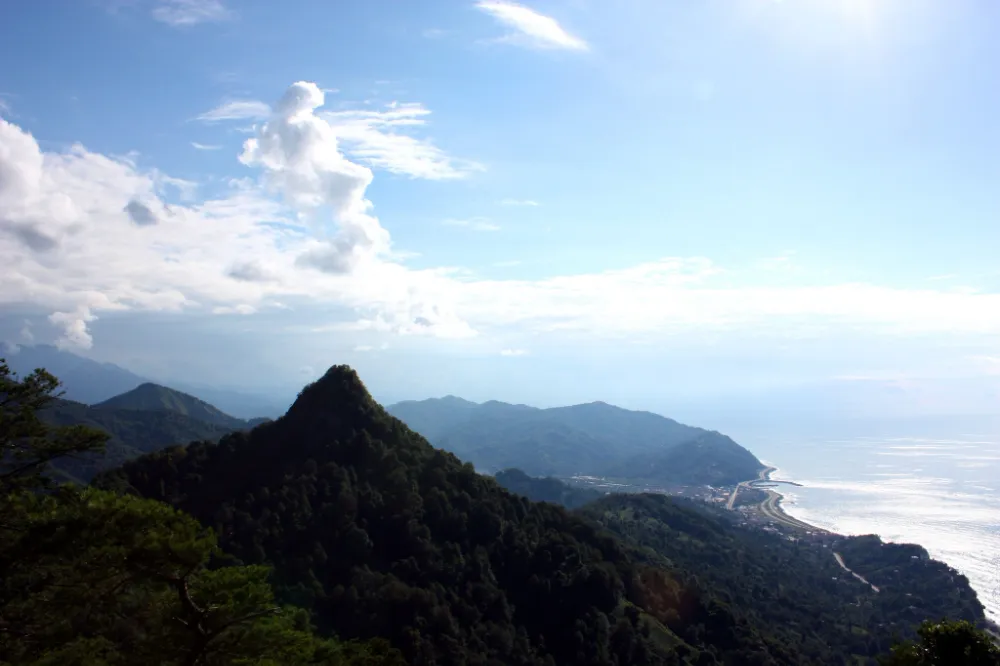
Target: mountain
x,y
132,433
595,439
378,533
83,379
795,587
791,586
90,382
154,398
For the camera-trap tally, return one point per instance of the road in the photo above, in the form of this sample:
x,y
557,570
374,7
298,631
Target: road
x,y
840,561
771,509
761,476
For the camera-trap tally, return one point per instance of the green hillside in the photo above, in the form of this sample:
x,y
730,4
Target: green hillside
x,y
380,534
150,397
132,433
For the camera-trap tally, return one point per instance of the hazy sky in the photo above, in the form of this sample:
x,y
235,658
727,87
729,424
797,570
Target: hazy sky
x,y
642,201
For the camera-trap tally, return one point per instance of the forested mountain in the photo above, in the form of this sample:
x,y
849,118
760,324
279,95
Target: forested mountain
x,y
795,588
132,433
380,534
156,398
592,439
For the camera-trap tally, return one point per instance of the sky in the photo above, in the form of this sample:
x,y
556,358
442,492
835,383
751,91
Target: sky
x,y
659,204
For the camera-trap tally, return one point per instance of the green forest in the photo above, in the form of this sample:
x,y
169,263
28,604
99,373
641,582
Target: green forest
x,y
338,535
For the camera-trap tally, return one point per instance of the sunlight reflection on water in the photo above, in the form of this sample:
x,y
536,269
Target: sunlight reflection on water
x,y
943,494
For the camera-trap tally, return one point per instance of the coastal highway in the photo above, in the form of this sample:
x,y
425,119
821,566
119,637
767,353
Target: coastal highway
x,y
763,475
771,509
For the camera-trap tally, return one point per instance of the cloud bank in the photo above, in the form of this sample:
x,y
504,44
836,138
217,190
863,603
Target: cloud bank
x,y
84,234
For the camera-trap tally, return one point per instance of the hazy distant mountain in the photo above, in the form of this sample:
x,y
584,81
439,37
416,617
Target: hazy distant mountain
x,y
156,398
90,382
83,379
433,418
595,439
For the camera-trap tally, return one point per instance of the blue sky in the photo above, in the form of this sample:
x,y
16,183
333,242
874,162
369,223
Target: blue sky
x,y
654,203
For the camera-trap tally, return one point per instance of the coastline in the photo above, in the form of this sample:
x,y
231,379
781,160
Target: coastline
x,y
771,507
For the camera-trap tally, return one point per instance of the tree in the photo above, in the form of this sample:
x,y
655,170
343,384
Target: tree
x,y
946,643
92,578
27,444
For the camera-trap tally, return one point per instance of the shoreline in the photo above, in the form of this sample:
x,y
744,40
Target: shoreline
x,y
771,507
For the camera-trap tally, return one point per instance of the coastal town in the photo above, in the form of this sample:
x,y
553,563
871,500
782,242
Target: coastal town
x,y
754,502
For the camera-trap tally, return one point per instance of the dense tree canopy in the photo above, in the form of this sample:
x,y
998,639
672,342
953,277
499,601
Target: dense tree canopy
x,y
409,556
90,577
379,534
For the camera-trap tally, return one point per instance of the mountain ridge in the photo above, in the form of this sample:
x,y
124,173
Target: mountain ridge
x,y
156,397
594,439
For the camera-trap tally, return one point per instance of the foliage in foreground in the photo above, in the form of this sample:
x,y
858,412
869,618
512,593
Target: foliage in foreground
x,y
946,644
88,577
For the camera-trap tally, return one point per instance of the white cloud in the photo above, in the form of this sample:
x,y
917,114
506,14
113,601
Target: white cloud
x,y
203,146
531,29
379,138
240,109
473,223
519,202
70,244
513,352
239,309
74,327
190,12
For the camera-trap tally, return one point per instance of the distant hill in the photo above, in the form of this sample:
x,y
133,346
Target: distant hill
x,y
91,382
155,398
83,380
132,433
592,439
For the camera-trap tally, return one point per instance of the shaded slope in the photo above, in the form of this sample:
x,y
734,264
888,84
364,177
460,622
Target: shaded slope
x,y
156,398
132,434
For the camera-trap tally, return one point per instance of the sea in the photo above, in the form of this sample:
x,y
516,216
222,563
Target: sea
x,y
906,484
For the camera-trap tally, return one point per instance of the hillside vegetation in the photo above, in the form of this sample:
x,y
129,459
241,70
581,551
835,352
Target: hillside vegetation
x,y
380,534
150,397
131,433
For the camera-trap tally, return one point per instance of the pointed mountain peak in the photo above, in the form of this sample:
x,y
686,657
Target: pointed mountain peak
x,y
340,390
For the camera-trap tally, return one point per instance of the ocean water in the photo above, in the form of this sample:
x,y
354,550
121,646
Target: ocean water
x,y
941,492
